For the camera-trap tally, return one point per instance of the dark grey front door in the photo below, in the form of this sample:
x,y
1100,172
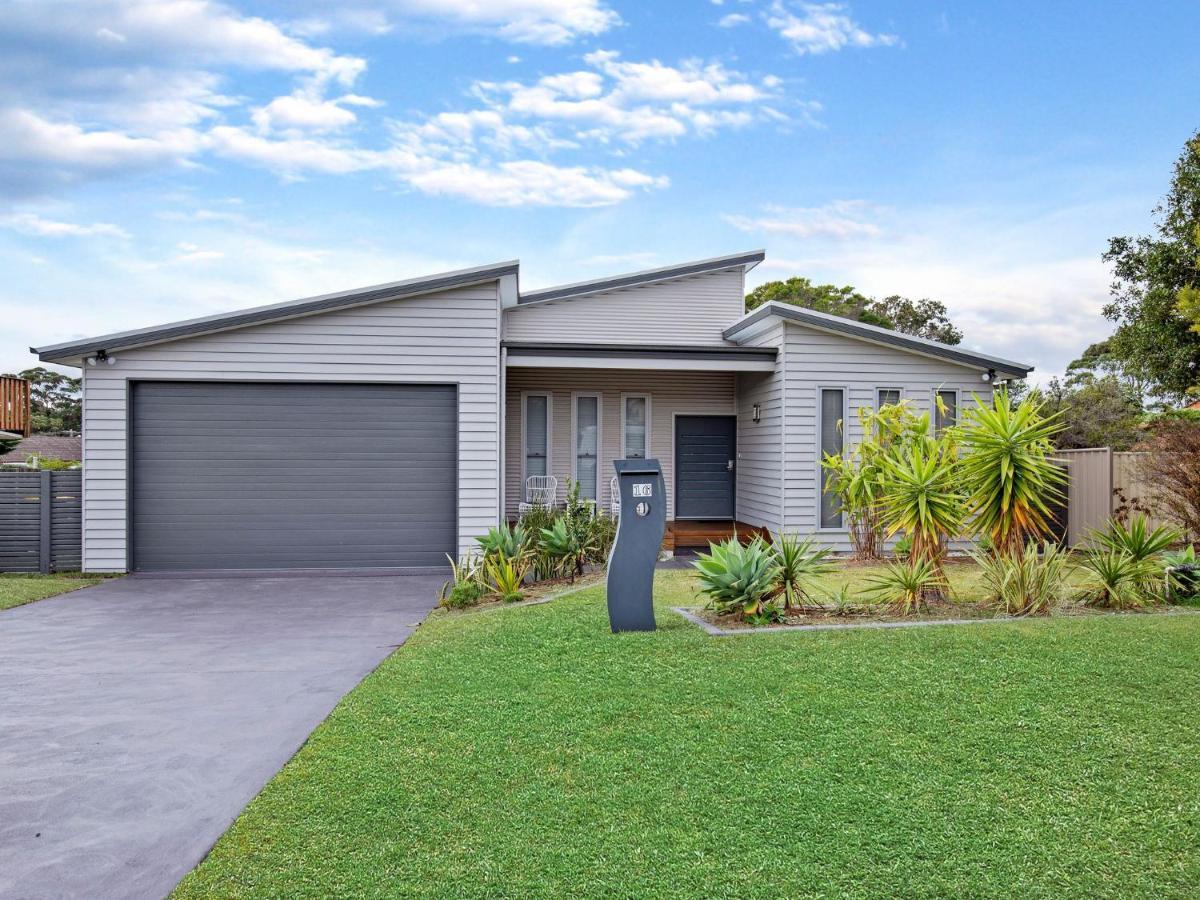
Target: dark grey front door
x,y
241,475
705,450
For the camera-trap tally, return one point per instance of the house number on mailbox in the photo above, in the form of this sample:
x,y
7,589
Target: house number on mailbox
x,y
642,490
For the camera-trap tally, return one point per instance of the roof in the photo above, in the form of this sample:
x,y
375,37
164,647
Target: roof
x,y
748,259
48,446
258,315
839,325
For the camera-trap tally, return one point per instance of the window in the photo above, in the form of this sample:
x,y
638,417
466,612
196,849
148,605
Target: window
x,y
587,444
635,426
537,434
886,397
945,413
833,409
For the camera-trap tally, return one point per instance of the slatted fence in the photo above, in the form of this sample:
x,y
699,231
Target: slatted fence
x,y
41,517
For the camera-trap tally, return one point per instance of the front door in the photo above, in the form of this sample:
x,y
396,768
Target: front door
x,y
705,451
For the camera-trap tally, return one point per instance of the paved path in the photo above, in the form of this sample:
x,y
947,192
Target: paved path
x,y
138,717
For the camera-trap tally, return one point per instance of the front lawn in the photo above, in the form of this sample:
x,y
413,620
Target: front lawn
x,y
528,752
17,590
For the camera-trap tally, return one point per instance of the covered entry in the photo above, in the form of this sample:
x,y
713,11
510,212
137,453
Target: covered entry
x,y
245,475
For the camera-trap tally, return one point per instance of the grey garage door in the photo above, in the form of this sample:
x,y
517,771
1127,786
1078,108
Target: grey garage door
x,y
292,476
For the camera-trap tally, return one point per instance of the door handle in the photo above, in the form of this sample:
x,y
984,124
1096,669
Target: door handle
x,y
729,466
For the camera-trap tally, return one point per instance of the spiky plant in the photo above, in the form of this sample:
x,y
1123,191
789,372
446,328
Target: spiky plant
x,y
1119,581
738,579
507,576
1008,469
800,565
510,541
1026,582
904,586
567,544
1182,568
1137,538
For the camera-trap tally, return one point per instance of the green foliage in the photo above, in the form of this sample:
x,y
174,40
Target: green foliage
x,y
738,579
533,522
565,543
507,576
603,533
510,541
466,586
1136,538
1101,411
49,462
55,400
903,546
464,594
9,444
904,586
1183,573
1028,581
922,318
1007,469
800,567
1119,581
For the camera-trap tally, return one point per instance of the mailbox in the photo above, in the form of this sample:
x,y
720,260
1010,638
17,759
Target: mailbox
x,y
635,551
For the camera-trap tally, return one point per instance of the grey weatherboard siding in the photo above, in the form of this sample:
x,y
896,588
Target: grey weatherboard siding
x,y
243,475
448,337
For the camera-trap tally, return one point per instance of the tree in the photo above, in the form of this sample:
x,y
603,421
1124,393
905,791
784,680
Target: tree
x,y
922,318
1154,342
1171,468
1095,412
55,400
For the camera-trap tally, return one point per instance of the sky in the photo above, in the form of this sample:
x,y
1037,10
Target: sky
x,y
168,159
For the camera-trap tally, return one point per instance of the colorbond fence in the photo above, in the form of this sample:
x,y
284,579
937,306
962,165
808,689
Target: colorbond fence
x,y
1099,480
41,517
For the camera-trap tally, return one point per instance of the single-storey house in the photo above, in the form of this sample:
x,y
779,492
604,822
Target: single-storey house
x,y
384,427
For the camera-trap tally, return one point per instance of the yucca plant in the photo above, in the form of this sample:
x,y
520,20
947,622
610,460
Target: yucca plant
x,y
738,579
1008,470
509,541
904,586
1137,538
507,576
1026,582
922,498
800,565
1117,580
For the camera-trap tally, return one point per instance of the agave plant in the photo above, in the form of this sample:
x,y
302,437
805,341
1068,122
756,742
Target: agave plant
x,y
1118,580
738,578
509,541
568,544
1137,538
507,576
1028,581
800,565
1008,470
904,586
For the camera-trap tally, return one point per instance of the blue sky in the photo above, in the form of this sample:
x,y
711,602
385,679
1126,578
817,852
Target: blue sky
x,y
160,160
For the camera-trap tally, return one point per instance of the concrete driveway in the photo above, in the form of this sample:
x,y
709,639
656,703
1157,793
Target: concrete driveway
x,y
138,717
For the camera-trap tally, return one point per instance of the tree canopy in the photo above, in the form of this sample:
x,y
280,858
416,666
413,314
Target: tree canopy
x,y
922,318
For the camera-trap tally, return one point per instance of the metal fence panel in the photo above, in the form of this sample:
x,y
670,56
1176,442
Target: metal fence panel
x,y
1089,490
40,521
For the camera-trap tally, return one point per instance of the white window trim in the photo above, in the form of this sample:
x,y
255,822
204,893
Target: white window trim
x,y
575,395
820,481
933,404
525,395
888,387
634,396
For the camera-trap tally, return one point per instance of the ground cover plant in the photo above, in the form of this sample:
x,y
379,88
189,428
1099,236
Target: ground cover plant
x,y
17,590
528,752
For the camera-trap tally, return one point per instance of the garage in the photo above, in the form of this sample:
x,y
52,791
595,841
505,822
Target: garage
x,y
257,476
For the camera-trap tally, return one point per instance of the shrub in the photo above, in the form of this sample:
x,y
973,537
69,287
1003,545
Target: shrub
x,y
903,547
1118,580
603,533
533,522
507,576
1182,573
1007,470
464,594
566,544
738,579
50,463
1028,581
1136,538
465,587
904,586
1171,468
509,541
800,565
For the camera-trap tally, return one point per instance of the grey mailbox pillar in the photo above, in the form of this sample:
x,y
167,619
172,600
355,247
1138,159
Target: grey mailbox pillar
x,y
635,551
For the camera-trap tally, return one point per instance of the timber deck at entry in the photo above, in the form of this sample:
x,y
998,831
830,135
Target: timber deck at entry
x,y
700,534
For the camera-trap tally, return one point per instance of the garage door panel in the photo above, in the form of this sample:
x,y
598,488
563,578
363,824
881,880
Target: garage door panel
x,y
266,476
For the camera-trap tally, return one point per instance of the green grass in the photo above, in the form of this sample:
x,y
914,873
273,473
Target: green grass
x,y
527,752
17,590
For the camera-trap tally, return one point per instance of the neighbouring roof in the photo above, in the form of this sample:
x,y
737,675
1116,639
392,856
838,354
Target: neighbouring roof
x,y
48,446
73,350
747,259
744,327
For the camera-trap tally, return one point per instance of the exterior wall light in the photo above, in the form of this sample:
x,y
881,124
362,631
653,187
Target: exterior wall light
x,y
988,375
756,413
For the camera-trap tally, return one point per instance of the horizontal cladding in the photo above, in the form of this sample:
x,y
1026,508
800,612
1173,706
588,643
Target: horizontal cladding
x,y
691,310
814,359
760,444
670,393
450,337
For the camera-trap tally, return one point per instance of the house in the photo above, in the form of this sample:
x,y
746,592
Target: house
x,y
46,446
384,427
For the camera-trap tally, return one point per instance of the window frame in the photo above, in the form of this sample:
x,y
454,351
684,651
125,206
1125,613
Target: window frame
x,y
888,387
933,408
575,398
646,454
525,395
821,388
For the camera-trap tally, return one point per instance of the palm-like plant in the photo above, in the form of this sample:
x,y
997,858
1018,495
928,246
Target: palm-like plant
x,y
800,565
738,579
1008,471
904,586
507,576
1118,580
1137,538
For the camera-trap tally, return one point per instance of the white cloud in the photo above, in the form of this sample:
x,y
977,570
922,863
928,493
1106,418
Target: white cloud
x,y
550,22
299,113
733,20
191,253
841,220
37,226
531,183
822,28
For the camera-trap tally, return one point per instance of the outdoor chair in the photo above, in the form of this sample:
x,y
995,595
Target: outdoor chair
x,y
540,491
